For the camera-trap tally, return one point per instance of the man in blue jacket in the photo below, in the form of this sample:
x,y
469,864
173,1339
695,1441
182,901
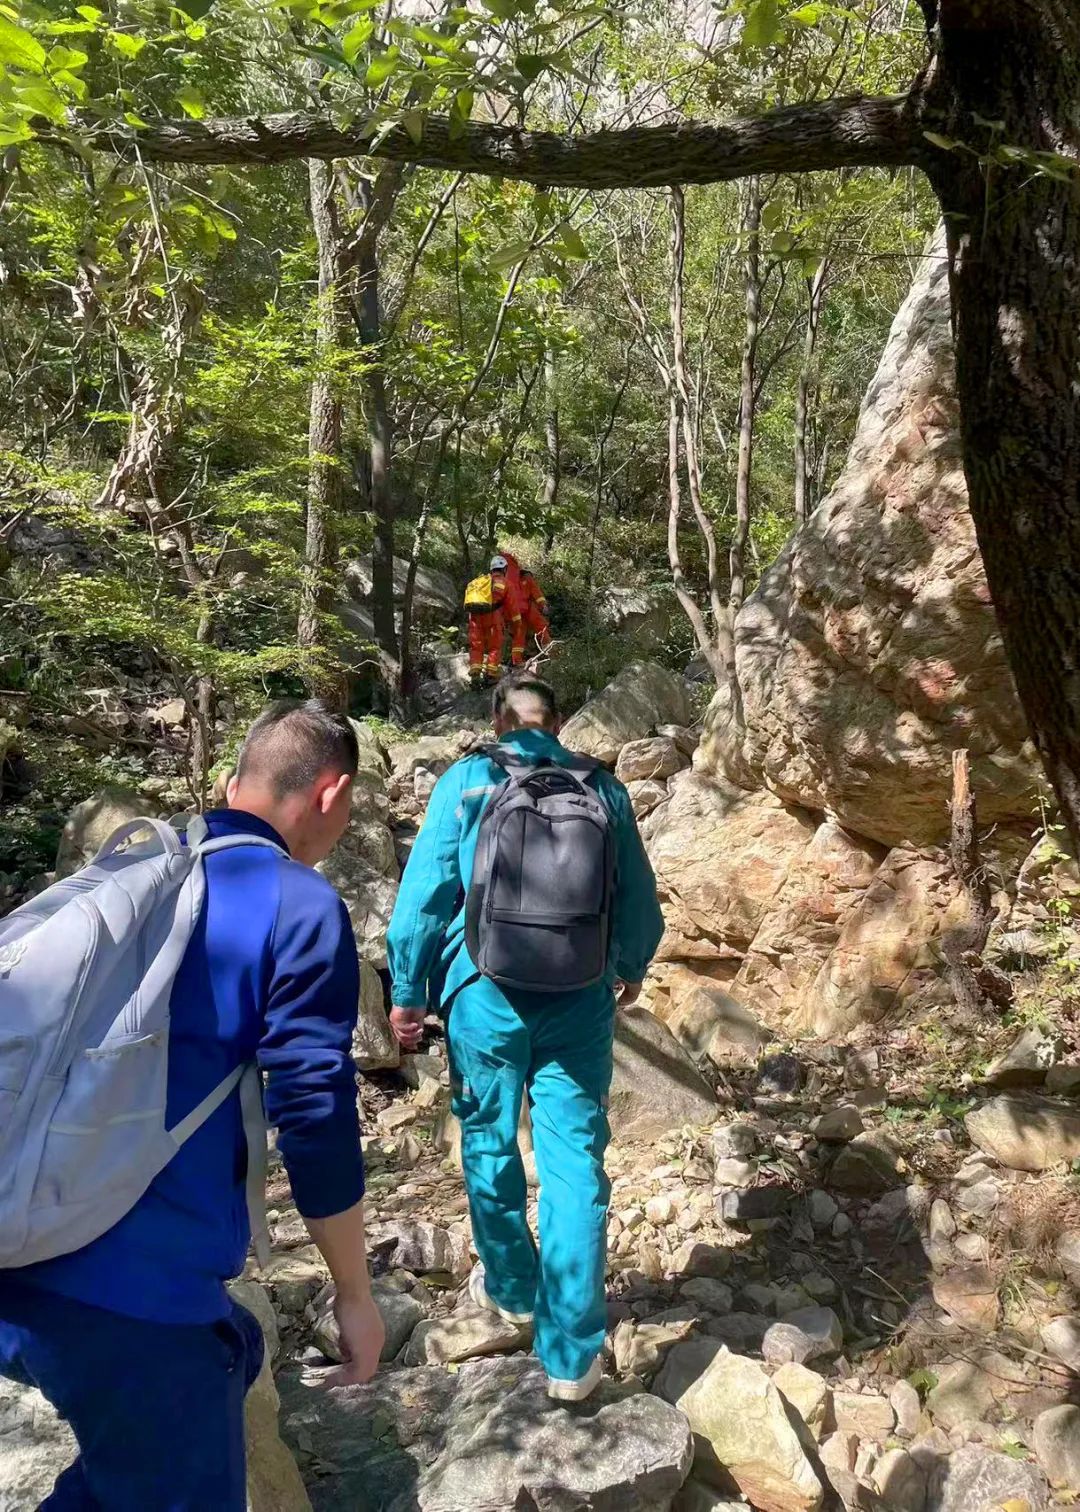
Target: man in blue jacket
x,y
556,1047
134,1338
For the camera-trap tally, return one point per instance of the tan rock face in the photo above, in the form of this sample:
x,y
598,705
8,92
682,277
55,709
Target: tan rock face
x,y
642,697
870,649
885,938
721,858
1026,1133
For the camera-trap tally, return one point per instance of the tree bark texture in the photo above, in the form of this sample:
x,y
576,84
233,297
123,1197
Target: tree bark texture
x,y
1015,243
552,459
747,396
815,293
861,131
324,492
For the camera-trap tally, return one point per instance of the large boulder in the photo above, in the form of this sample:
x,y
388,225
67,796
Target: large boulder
x,y
656,1086
721,857
742,1427
1026,1133
870,652
643,696
485,1439
641,616
914,898
91,822
434,592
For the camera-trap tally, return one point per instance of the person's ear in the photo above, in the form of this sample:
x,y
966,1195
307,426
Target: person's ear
x,y
231,789
332,792
556,728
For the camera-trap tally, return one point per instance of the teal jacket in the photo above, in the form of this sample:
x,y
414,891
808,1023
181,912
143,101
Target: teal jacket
x,y
426,945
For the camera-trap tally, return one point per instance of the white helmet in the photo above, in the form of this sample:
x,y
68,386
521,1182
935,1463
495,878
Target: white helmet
x,y
498,563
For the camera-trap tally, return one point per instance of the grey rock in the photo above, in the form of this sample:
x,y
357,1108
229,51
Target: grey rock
x,y
969,1295
685,1363
1026,1133
712,1295
905,1403
865,1413
975,1479
867,1167
641,697
697,1259
412,1245
374,1046
1063,1079
399,1310
823,1208
1067,1251
942,1222
653,759
742,1206
256,1299
1026,1061
807,1334
900,1481
1057,1445
837,1125
740,1331
486,1439
91,822
964,1394
781,1073
641,1348
1061,1338
735,1141
980,1199
735,1173
655,1087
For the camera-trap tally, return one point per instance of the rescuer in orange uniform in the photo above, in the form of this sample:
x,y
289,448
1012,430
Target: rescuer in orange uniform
x,y
488,606
525,597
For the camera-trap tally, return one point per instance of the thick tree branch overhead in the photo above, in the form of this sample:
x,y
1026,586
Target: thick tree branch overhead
x,y
868,132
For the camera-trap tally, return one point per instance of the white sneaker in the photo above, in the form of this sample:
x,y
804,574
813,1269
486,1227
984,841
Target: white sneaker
x,y
577,1391
478,1292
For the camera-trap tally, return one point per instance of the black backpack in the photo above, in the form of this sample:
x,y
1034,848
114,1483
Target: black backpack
x,y
538,910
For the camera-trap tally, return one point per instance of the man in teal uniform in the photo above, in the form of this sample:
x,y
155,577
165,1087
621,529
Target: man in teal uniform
x,y
557,1047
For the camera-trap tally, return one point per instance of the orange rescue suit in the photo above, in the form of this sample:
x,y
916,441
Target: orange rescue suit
x,y
525,599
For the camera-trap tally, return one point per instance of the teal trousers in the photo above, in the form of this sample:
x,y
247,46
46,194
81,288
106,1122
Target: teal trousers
x,y
556,1049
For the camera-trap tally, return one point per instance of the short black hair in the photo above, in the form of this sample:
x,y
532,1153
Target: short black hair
x,y
536,687
293,742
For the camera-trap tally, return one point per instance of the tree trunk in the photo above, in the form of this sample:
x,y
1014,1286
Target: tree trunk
x,y
324,494
815,289
552,461
1015,242
380,497
747,402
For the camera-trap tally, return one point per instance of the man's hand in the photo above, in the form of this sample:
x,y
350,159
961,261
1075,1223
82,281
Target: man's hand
x,y
408,1026
627,993
362,1334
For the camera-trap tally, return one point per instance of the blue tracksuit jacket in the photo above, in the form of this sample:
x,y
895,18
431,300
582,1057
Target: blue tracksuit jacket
x,y
270,974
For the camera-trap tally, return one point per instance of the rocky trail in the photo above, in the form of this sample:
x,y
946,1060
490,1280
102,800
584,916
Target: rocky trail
x,y
843,1273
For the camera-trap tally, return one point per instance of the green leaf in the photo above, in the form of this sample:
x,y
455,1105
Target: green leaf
x,y
40,100
947,144
89,13
413,122
15,131
79,87
125,44
763,25
508,256
506,10
531,65
383,67
807,15
132,119
19,49
771,216
67,58
783,243
356,39
572,244
68,28
428,38
191,102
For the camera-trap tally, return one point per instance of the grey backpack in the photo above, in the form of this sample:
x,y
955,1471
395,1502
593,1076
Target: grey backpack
x,y
538,909
86,974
